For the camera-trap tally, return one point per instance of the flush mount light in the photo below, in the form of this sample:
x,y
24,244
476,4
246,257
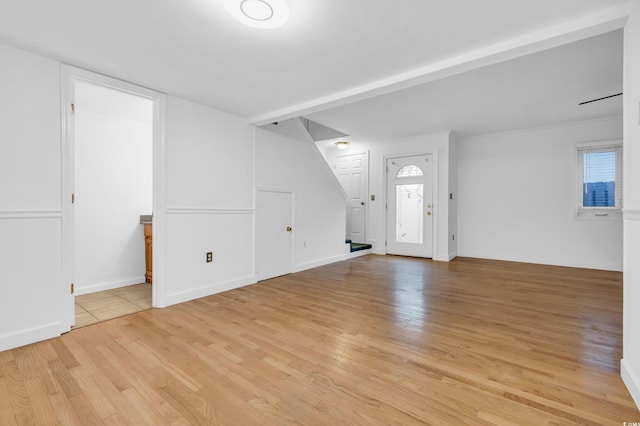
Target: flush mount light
x,y
342,144
259,13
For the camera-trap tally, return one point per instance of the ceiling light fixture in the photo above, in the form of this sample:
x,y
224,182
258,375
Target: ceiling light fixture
x,y
259,13
342,144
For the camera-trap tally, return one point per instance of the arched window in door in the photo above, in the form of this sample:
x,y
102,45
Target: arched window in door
x,y
409,171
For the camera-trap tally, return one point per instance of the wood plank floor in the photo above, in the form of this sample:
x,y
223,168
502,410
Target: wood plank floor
x,y
373,340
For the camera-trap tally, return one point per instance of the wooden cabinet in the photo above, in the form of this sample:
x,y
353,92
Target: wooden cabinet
x,y
148,258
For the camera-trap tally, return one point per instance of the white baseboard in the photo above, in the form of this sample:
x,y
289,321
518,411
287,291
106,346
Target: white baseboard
x,y
441,258
31,335
321,262
207,290
453,254
631,380
108,285
359,253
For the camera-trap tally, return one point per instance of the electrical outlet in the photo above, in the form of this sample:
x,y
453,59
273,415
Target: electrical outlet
x,y
305,244
451,195
453,236
209,256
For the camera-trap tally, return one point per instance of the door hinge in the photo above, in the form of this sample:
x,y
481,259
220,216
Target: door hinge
x,y
385,243
73,198
73,107
73,288
385,206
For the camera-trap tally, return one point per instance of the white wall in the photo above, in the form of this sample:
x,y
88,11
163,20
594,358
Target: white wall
x,y
209,202
30,203
439,144
517,198
631,328
113,186
320,219
207,159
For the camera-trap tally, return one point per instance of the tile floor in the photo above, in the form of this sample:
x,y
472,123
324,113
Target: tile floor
x,y
105,305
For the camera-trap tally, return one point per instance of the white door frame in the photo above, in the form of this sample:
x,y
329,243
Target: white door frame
x,y
434,184
366,190
69,76
293,226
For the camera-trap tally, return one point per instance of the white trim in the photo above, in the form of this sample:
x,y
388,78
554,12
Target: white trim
x,y
293,232
631,214
435,188
435,193
273,189
110,82
30,335
30,214
108,285
254,222
440,258
67,307
358,253
366,199
597,145
453,254
203,210
320,262
598,213
207,290
631,380
69,75
158,248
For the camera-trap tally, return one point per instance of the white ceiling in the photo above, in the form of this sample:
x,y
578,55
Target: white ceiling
x,y
328,51
535,90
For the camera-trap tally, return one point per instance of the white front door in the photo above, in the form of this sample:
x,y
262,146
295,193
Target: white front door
x,y
352,172
410,206
274,234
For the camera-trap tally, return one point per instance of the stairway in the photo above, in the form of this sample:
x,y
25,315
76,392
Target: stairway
x,y
357,246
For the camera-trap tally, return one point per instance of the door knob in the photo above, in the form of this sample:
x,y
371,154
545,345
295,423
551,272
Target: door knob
x,y
289,229
428,213
362,203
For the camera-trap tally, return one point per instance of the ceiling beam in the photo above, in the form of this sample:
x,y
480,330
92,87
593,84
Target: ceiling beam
x,y
526,44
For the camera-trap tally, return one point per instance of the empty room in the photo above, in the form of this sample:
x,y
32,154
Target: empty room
x,y
244,212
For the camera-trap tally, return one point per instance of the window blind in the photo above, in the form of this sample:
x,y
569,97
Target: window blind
x,y
600,176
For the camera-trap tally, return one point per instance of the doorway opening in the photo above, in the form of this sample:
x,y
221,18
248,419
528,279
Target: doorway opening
x,y
110,174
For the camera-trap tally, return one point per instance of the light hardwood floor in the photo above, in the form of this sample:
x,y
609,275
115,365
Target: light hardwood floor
x,y
105,305
373,340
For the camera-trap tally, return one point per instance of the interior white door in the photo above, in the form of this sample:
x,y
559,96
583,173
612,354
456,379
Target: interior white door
x,y
274,234
352,172
410,206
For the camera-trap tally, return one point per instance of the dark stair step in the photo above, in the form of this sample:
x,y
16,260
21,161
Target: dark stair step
x,y
358,247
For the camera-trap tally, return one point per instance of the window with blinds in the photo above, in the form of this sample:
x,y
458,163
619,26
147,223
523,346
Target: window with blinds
x,y
599,179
